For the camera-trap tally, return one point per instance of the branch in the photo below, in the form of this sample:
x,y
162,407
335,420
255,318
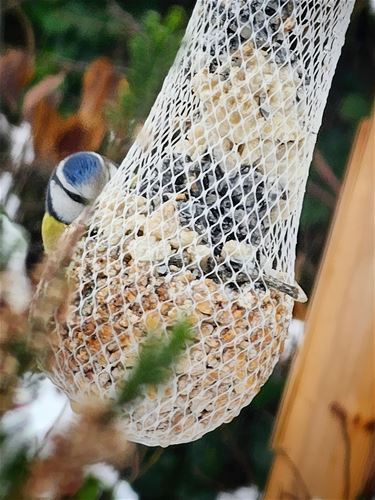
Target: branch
x,y
321,194
340,413
297,476
325,171
117,11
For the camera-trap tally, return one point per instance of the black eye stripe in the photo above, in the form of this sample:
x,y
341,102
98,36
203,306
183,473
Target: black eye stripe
x,y
75,197
49,206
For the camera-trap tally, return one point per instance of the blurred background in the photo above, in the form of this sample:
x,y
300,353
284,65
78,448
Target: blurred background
x,y
83,75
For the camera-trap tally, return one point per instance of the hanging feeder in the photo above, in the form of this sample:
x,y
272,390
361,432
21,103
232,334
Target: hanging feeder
x,y
201,219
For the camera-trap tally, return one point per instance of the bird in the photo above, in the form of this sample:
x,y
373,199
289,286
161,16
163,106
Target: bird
x,y
74,184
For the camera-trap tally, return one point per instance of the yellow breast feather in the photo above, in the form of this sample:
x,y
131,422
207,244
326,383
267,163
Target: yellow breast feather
x,y
52,229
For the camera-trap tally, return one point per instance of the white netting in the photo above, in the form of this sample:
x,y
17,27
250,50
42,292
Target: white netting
x,y
201,218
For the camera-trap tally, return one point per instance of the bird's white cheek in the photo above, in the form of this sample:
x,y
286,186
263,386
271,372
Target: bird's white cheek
x,y
91,190
66,209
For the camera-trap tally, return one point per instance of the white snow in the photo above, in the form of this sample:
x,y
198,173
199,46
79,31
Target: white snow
x,y
21,153
6,181
39,404
110,478
22,150
40,407
244,493
294,339
15,288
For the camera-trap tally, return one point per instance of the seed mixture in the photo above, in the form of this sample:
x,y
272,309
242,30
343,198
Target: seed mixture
x,y
239,331
198,232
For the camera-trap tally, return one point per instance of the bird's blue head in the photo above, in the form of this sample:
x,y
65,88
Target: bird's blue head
x,y
75,183
81,168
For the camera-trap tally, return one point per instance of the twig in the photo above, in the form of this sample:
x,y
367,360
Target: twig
x,y
369,484
10,4
297,475
44,303
340,413
209,480
321,194
150,462
325,171
117,11
238,455
48,433
80,66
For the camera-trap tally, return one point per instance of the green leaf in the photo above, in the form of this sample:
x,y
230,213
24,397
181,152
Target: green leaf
x,y
354,106
313,212
90,490
270,394
260,451
151,53
20,349
155,361
14,469
175,19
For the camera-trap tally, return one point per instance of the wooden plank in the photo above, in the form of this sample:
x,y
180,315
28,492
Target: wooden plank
x,y
324,438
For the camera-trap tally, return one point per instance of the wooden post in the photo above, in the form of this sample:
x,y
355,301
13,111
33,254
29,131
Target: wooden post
x,y
324,440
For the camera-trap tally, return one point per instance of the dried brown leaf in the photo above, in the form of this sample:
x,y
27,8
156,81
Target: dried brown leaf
x,y
45,89
100,84
16,70
91,440
56,137
45,125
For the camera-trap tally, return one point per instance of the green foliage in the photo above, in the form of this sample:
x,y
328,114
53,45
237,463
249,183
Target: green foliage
x,y
92,489
73,29
270,394
22,352
314,211
151,53
354,106
260,455
69,35
155,361
14,467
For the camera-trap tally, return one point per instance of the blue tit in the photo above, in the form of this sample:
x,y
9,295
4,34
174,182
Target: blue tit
x,y
74,184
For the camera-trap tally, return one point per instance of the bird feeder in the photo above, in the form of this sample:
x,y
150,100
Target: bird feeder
x,y
200,221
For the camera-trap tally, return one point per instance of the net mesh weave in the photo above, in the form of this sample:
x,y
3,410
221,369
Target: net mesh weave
x,y
201,219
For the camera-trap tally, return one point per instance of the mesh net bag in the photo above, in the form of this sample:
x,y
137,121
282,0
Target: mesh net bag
x,y
200,221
